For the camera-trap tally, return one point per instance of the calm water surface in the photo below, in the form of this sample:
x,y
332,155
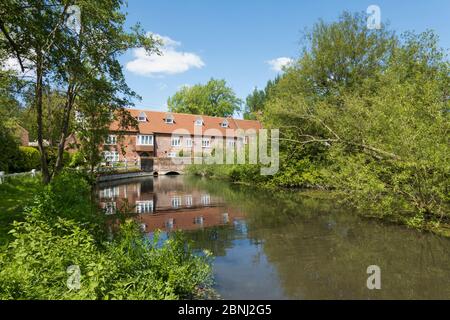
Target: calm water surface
x,y
287,245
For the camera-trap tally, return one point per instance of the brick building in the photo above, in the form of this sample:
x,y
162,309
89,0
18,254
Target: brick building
x,y
171,135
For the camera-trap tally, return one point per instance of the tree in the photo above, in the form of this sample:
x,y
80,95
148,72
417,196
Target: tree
x,y
376,106
256,100
213,99
67,58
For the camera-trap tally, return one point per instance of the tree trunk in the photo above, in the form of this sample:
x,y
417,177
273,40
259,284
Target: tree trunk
x,y
38,101
64,130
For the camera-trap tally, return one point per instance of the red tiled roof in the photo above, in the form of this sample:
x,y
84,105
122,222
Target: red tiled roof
x,y
156,123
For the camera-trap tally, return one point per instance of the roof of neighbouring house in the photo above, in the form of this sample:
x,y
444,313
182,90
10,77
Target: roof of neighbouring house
x,y
155,123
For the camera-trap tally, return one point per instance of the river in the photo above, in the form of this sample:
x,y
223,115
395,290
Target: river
x,y
287,245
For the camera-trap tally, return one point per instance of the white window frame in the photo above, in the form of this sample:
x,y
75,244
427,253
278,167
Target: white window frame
x,y
144,206
110,208
142,117
176,202
206,143
199,122
169,119
231,142
107,155
224,124
188,200
111,140
199,220
189,142
175,141
172,154
109,193
141,140
206,199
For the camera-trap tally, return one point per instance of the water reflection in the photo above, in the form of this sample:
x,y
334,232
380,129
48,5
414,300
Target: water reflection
x,y
287,245
167,204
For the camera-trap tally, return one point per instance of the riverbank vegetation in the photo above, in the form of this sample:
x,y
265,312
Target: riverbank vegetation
x,y
364,113
64,228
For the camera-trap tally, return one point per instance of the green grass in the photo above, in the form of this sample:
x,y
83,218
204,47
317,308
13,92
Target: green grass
x,y
15,194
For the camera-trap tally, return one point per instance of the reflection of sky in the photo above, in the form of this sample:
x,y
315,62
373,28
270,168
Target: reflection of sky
x,y
245,273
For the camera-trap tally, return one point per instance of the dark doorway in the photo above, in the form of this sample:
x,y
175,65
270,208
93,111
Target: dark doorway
x,y
147,165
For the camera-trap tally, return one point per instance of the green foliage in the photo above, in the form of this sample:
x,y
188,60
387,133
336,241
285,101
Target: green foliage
x,y
255,101
77,160
213,99
62,229
368,116
9,149
29,159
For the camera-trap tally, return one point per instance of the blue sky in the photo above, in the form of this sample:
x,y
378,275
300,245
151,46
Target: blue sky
x,y
236,39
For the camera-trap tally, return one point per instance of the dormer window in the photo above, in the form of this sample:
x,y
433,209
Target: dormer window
x,y
199,122
169,119
224,124
142,117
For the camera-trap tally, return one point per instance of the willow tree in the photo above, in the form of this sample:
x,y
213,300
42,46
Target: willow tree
x,y
66,46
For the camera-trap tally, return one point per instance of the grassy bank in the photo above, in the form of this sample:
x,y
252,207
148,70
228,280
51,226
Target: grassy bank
x,y
15,195
63,239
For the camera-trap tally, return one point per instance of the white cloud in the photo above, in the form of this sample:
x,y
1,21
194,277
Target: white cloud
x,y
279,63
171,61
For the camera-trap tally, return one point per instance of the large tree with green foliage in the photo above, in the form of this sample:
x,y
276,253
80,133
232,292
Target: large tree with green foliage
x,y
254,103
214,98
371,110
68,58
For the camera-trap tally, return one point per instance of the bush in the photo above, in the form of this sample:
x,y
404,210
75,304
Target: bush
x,y
77,160
29,158
60,231
9,149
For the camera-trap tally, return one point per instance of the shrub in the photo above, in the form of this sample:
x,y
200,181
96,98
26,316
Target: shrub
x,y
29,158
77,160
9,149
61,230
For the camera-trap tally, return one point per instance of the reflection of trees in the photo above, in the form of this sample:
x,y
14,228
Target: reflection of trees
x,y
323,251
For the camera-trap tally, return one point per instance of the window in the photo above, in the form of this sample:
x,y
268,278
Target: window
x,y
188,200
176,202
111,156
144,206
199,122
145,140
225,218
176,141
172,154
169,119
206,199
188,142
142,117
199,220
111,140
109,193
110,208
231,143
224,124
205,143
170,223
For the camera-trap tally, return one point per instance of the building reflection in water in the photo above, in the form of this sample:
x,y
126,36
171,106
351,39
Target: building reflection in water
x,y
167,204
